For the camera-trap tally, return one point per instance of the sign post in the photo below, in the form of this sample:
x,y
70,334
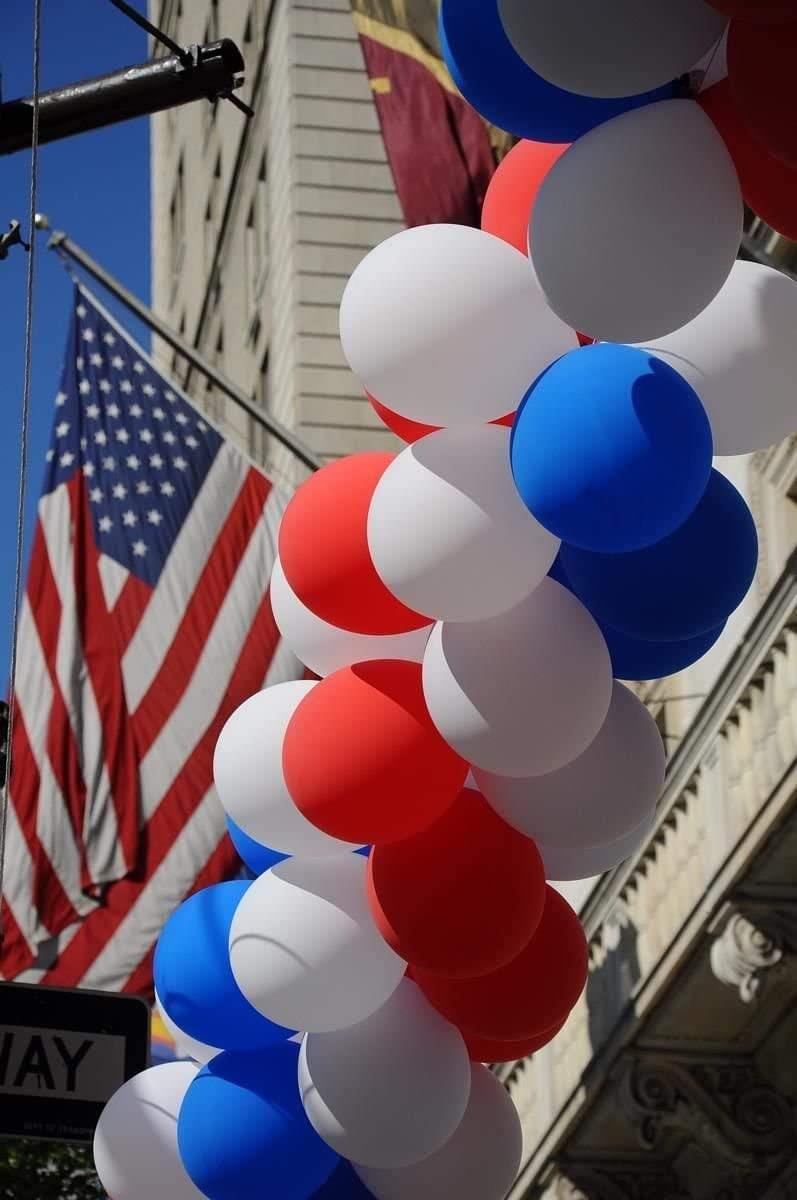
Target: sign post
x,y
63,1053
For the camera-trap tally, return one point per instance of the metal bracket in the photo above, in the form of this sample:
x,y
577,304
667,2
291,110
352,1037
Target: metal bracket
x,y
12,238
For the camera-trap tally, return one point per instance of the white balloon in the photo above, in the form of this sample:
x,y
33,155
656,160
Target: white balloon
x,y
247,769
323,647
304,949
185,1046
740,356
427,317
480,1161
598,797
611,48
524,692
390,1090
448,532
565,863
135,1142
617,219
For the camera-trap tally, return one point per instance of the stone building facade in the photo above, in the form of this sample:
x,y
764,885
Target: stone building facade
x,y
676,1076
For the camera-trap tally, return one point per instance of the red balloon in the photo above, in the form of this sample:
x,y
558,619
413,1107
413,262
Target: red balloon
x,y
411,431
485,1051
463,896
761,70
362,759
762,11
323,548
531,993
513,189
769,186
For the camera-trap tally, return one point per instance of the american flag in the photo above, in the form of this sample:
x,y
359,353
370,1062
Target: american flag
x,y
146,621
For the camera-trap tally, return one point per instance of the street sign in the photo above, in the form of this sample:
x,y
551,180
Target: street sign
x,y
63,1053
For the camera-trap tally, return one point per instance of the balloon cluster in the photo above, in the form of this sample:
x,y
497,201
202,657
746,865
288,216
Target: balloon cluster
x,y
470,606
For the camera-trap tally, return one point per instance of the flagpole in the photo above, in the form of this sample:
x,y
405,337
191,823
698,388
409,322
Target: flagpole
x,y
66,248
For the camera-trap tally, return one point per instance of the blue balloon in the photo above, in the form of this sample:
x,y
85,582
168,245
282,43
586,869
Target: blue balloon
x,y
256,857
637,659
684,586
242,1132
494,78
611,449
343,1184
194,980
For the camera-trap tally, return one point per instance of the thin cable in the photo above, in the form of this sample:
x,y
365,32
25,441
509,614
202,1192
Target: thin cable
x,y
23,439
153,31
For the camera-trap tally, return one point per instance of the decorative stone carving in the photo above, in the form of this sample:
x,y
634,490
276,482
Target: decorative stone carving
x,y
741,954
722,1105
617,1180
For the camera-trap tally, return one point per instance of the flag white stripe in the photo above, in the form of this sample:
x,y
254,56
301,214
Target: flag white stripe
x,y
199,704
104,853
16,883
34,699
178,581
165,889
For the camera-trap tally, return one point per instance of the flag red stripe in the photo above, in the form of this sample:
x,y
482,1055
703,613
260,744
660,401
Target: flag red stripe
x,y
178,804
222,863
105,673
128,610
49,898
180,661
17,955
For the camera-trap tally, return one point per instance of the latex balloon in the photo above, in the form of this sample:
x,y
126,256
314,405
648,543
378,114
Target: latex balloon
x,y
448,532
608,176
522,693
485,1051
564,863
343,1184
757,10
135,1142
599,797
426,318
461,898
247,769
257,857
243,1133
496,81
637,659
323,549
363,759
185,1046
410,431
390,1090
480,1161
616,49
513,189
323,647
529,995
761,75
682,587
304,947
769,185
742,346
193,977
611,449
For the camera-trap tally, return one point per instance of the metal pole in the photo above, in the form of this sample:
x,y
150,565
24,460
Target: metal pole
x,y
211,72
65,246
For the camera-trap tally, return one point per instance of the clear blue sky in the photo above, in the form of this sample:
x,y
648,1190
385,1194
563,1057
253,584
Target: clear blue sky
x,y
96,188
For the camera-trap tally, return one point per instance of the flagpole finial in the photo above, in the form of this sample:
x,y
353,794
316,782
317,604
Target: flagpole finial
x,y
41,221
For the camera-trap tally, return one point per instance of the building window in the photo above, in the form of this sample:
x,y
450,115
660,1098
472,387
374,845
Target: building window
x,y
256,249
177,222
258,437
211,215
